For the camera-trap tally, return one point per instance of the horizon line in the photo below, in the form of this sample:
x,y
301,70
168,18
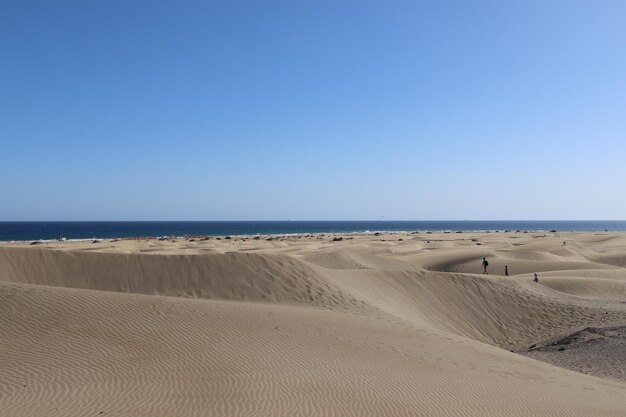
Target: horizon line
x,y
316,220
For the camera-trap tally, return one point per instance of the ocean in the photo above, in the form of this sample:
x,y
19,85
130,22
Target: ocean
x,y
27,231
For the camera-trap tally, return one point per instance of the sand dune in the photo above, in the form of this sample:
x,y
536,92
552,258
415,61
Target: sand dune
x,y
599,288
367,326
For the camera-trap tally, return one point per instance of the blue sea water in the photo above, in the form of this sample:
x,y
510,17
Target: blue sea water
x,y
25,231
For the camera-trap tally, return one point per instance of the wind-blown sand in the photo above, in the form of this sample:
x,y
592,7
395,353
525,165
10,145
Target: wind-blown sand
x,y
390,325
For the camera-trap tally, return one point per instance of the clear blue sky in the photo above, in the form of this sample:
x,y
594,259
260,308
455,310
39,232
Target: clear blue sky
x,y
180,110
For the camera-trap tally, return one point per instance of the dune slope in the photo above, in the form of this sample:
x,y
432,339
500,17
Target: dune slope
x,y
130,355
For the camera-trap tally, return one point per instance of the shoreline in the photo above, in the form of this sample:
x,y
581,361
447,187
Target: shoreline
x,y
313,234
90,230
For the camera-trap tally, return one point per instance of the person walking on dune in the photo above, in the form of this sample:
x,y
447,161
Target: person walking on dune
x,y
506,270
536,278
485,265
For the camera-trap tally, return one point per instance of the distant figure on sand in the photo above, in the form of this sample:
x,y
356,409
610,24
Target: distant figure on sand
x,y
506,271
536,278
485,265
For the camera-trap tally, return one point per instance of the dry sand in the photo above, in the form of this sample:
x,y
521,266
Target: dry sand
x,y
390,325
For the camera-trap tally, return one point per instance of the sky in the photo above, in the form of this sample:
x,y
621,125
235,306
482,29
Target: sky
x,y
317,110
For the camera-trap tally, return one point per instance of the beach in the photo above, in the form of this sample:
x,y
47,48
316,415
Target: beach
x,y
385,324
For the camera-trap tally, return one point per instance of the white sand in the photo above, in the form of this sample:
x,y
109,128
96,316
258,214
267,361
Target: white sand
x,y
370,326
